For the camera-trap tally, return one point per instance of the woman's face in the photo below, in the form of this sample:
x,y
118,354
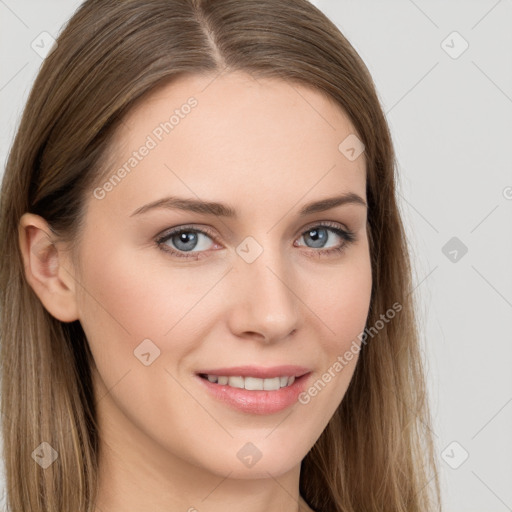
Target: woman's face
x,y
263,288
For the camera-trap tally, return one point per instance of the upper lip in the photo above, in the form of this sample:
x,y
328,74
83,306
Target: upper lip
x,y
260,372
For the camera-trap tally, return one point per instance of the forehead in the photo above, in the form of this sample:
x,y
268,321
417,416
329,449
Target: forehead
x,y
252,140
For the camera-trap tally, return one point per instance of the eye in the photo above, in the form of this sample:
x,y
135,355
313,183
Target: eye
x,y
185,239
192,243
319,234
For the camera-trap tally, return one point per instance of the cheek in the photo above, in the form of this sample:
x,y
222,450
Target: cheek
x,y
128,297
341,299
341,305
126,292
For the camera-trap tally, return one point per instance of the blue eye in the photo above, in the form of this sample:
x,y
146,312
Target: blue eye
x,y
187,239
320,233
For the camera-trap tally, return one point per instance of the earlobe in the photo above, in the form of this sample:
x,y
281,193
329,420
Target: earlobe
x,y
46,268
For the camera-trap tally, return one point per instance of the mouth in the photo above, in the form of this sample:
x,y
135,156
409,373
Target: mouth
x,y
255,390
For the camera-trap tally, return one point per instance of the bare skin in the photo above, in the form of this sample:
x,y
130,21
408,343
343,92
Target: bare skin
x,y
266,148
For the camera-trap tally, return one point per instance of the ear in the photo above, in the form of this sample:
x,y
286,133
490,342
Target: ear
x,y
47,268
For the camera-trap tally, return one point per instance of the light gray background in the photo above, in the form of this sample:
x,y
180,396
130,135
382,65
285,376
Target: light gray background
x,y
451,120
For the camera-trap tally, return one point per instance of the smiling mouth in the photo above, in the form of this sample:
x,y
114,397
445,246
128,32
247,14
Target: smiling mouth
x,y
272,391
250,383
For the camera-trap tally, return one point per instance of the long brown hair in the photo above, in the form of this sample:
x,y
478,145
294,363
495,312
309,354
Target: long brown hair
x,y
377,453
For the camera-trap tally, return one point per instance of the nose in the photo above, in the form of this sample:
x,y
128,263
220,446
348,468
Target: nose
x,y
264,304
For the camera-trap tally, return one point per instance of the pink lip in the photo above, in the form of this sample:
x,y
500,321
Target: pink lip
x,y
257,401
258,371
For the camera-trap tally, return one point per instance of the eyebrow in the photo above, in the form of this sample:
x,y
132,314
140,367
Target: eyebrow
x,y
223,210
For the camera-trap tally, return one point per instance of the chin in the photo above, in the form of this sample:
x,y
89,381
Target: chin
x,y
245,459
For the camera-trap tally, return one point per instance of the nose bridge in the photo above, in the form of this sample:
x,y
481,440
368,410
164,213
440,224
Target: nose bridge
x,y
265,302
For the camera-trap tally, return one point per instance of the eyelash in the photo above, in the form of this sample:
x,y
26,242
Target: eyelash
x,y
347,235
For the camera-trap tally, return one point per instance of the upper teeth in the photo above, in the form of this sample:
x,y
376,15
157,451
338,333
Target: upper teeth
x,y
253,383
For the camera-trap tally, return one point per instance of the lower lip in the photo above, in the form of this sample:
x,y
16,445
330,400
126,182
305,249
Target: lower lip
x,y
257,401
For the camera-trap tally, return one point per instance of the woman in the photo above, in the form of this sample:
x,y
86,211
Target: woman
x,y
205,279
